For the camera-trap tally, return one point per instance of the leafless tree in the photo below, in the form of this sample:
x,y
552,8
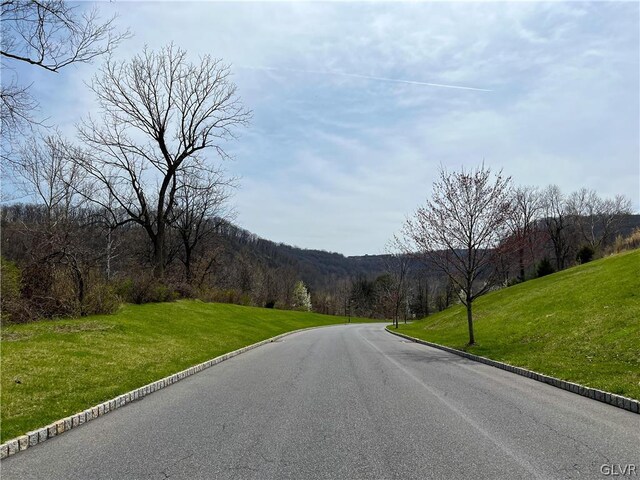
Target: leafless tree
x,y
557,224
49,34
596,217
45,174
16,105
459,229
527,208
397,265
201,207
160,116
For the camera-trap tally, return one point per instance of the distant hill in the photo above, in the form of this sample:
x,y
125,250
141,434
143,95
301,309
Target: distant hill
x,y
319,268
628,224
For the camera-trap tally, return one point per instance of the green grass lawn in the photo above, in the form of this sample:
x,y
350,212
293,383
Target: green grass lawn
x,y
581,325
52,369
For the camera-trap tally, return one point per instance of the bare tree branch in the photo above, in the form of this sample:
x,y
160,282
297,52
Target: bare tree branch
x,y
160,116
49,34
460,228
596,217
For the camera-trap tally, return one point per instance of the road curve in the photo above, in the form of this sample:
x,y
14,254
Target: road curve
x,y
345,402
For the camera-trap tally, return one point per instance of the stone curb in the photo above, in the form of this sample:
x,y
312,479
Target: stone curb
x,y
606,397
35,437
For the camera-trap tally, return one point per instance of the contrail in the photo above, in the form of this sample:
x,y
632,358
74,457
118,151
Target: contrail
x,y
367,77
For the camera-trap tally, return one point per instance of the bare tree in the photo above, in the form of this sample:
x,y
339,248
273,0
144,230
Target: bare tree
x,y
459,229
527,207
201,207
160,116
16,105
557,223
397,265
595,217
45,174
49,34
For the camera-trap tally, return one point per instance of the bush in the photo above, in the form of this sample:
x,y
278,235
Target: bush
x,y
49,291
544,268
12,307
585,254
161,292
101,298
229,295
145,289
184,290
124,289
513,281
626,243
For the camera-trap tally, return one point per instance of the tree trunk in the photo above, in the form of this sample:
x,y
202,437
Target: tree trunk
x,y
80,283
426,299
521,262
109,244
397,309
187,263
158,257
470,323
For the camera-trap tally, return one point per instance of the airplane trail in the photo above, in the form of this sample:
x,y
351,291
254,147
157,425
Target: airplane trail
x,y
366,77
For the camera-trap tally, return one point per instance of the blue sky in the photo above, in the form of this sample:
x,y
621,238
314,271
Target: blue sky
x,y
336,162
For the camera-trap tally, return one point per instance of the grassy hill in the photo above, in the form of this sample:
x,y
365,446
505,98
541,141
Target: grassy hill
x,y
52,369
581,325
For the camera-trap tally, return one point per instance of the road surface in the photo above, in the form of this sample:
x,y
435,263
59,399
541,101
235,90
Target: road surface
x,y
345,402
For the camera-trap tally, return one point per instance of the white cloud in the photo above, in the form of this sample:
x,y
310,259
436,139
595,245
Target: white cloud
x,y
336,162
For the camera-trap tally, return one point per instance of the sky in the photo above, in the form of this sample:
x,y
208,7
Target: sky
x,y
356,106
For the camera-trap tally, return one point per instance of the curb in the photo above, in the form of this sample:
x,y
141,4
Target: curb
x,y
599,395
35,437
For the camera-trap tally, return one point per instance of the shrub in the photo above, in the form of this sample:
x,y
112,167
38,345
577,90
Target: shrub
x,y
205,294
626,243
245,299
230,295
226,296
585,254
161,292
145,289
513,281
101,298
544,268
184,290
49,291
11,304
123,288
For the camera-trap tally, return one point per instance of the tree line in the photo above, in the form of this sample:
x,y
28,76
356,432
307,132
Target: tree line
x,y
67,262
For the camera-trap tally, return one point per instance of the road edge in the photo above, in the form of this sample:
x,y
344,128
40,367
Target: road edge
x,y
40,435
595,394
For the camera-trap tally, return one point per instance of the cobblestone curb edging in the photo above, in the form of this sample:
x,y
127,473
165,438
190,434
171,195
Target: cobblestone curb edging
x,y
606,397
30,439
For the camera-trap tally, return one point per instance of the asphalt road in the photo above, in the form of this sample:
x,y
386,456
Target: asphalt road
x,y
345,402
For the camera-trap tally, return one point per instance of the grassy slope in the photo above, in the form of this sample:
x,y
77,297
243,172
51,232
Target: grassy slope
x,y
52,369
582,325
